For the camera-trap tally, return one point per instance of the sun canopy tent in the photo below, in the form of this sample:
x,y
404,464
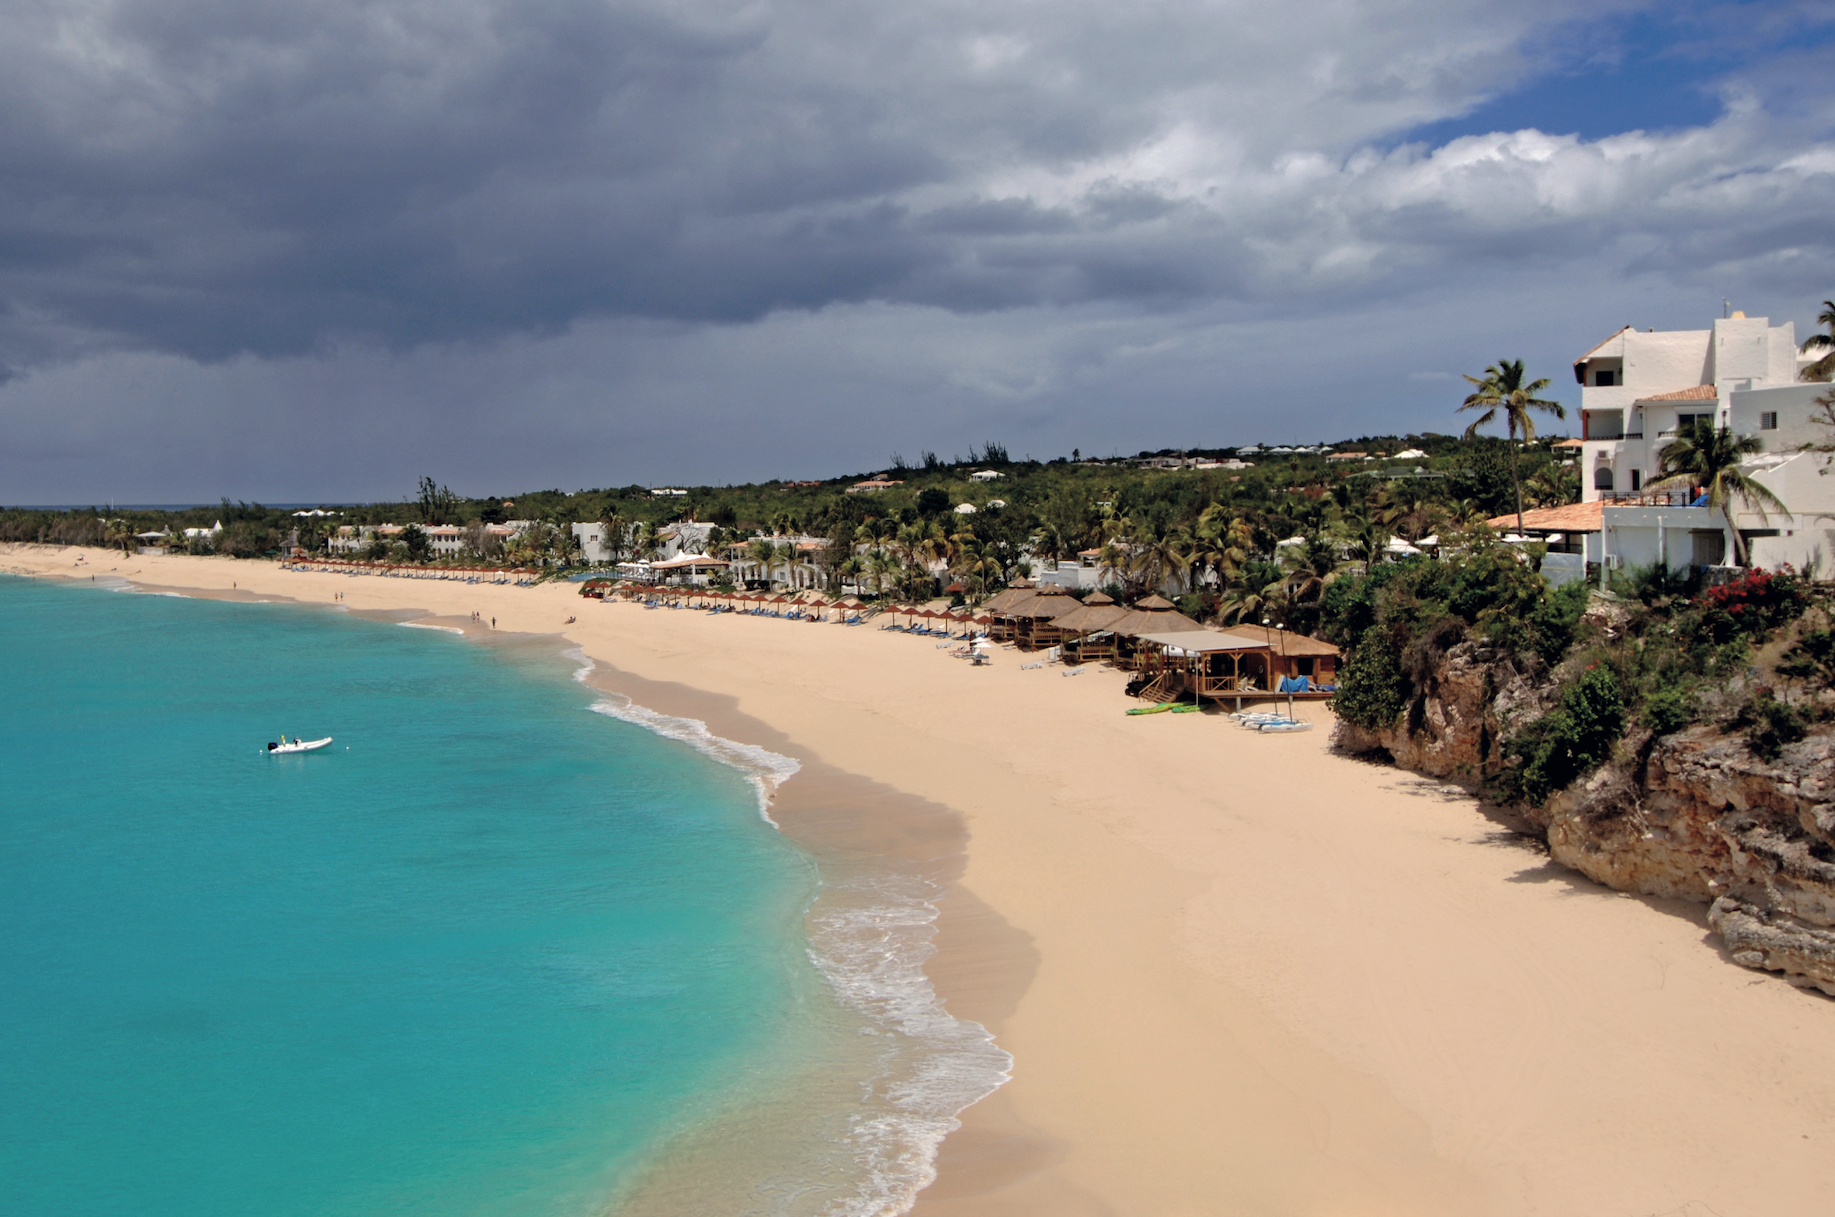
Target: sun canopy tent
x,y
689,562
689,566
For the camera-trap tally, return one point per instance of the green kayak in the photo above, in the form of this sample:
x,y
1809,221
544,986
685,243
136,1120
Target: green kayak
x,y
1159,709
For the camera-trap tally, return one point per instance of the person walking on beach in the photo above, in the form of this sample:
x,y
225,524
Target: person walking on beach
x,y
493,623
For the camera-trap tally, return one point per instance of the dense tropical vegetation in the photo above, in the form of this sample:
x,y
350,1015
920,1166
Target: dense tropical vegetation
x,y
1210,534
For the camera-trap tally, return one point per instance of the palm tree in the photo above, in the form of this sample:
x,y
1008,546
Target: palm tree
x,y
977,566
1364,539
1245,602
1398,502
1502,389
1311,568
1710,459
761,551
881,563
1824,368
1161,551
1553,485
1221,541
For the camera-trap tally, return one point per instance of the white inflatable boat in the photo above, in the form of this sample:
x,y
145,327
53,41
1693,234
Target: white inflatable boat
x,y
298,745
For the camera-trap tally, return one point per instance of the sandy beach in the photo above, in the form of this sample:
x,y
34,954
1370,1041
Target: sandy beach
x,y
1238,974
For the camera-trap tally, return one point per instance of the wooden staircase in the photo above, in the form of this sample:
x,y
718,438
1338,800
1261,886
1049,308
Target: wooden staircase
x,y
1157,691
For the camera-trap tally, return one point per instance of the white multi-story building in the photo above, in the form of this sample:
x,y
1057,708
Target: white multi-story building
x,y
682,537
1640,390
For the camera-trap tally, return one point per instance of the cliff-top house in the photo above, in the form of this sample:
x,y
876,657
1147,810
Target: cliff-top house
x,y
1639,390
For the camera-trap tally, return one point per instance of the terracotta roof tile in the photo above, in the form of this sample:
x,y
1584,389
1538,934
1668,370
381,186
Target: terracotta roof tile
x,y
1698,393
1575,517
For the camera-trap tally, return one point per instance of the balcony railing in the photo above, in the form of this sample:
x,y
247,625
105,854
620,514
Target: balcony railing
x,y
1647,498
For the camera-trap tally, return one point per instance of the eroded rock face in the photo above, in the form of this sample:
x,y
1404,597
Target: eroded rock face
x,y
1695,815
1760,939
1454,729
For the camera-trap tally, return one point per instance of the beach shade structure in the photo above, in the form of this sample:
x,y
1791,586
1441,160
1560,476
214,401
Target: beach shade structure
x,y
1201,663
1153,615
1003,605
1032,620
1085,628
1011,595
1294,658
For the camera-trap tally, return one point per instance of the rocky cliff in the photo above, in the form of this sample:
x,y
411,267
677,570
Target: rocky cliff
x,y
1695,815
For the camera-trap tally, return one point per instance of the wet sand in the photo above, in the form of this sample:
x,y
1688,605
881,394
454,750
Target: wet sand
x,y
1238,974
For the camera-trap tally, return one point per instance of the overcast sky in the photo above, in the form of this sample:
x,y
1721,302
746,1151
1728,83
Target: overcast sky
x,y
300,251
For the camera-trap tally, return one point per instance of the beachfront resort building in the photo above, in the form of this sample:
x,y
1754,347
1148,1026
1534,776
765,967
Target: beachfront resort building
x,y
1640,390
682,537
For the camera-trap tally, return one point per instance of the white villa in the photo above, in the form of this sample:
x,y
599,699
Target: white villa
x,y
1639,389
682,537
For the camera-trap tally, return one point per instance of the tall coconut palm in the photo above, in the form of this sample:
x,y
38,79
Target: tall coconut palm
x,y
1710,458
1248,600
613,533
979,568
1221,541
1502,390
1553,486
1162,551
1365,539
1824,368
761,551
1311,567
784,552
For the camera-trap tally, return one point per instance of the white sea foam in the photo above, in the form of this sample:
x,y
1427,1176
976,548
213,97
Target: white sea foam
x,y
766,770
869,938
871,944
444,629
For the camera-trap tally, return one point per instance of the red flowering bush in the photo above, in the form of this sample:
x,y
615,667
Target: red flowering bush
x,y
1757,602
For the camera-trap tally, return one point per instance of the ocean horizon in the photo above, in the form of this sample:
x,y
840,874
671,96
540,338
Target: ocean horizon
x,y
507,947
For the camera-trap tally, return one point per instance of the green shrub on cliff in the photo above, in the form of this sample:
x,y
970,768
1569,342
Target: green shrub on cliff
x,y
1568,741
1769,724
1668,710
1399,621
1811,659
1372,691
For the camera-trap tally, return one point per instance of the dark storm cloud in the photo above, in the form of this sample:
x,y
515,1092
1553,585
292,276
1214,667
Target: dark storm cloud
x,y
211,178
818,227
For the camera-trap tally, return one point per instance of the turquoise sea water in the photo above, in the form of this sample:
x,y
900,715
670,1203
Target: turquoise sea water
x,y
486,955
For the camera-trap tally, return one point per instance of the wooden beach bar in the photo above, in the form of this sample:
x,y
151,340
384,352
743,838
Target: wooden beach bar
x,y
1243,663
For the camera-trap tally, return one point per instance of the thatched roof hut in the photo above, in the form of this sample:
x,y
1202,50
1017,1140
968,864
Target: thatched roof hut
x,y
1043,604
1001,600
1154,615
1283,641
1097,612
